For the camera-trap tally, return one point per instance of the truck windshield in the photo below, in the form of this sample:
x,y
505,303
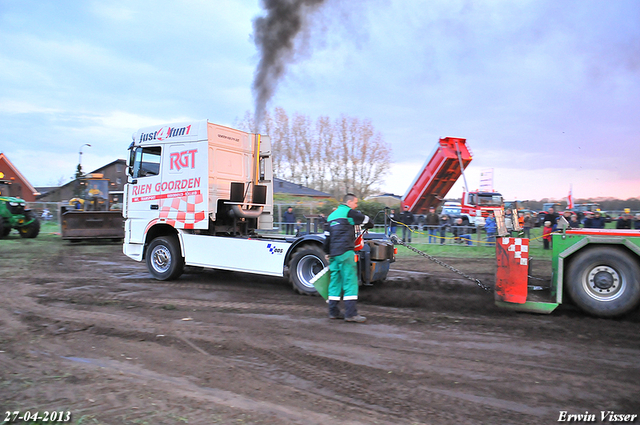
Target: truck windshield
x,y
494,200
96,189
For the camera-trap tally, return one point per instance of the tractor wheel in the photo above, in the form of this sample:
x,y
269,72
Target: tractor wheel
x,y
2,229
306,262
604,281
31,230
164,259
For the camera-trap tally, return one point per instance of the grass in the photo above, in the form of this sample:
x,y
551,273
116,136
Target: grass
x,y
24,254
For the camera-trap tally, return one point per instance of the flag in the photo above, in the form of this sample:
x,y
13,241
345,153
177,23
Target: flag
x,y
570,198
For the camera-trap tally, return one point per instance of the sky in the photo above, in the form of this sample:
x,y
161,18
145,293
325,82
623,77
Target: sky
x,y
546,92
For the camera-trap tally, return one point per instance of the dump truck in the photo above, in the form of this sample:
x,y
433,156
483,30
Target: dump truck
x,y
87,216
201,194
598,270
14,214
439,173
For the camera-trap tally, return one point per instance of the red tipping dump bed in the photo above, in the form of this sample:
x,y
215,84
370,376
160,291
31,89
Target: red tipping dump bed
x,y
437,176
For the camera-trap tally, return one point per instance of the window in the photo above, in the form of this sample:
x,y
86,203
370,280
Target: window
x,y
490,200
147,162
472,199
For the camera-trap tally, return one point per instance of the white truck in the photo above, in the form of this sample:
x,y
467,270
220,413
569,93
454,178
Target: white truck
x,y
200,194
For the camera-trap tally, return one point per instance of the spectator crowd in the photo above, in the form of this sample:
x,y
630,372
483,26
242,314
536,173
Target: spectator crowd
x,y
441,227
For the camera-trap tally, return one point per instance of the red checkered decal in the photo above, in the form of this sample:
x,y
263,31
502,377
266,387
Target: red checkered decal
x,y
183,212
519,247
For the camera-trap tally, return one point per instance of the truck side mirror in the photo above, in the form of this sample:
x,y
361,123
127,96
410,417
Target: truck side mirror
x,y
132,158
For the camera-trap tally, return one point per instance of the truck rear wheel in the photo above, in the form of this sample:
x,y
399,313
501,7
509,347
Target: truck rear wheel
x,y
306,262
31,230
604,281
164,259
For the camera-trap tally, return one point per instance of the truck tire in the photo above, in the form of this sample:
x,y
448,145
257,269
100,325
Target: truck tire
x,y
604,281
31,230
164,259
306,262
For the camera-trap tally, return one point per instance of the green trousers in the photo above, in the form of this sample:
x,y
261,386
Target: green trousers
x,y
344,277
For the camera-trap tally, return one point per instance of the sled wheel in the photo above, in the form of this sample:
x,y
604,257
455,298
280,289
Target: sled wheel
x,y
604,281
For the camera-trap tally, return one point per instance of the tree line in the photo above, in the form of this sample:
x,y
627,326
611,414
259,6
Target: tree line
x,y
336,156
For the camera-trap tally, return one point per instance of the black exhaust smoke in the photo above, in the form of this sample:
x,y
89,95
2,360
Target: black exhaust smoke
x,y
274,35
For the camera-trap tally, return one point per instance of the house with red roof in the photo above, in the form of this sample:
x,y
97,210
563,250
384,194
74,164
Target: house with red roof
x,y
20,186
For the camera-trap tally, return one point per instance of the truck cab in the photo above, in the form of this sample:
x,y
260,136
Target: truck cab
x,y
201,194
477,205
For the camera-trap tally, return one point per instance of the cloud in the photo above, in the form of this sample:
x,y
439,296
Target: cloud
x,y
11,106
546,92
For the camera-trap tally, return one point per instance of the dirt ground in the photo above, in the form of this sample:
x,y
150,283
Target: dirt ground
x,y
85,330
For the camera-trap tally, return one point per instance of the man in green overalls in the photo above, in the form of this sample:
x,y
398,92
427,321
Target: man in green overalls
x,y
339,245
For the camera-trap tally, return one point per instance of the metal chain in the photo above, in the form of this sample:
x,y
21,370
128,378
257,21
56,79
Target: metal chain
x,y
398,241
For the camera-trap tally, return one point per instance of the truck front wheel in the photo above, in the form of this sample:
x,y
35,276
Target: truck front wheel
x,y
604,281
164,259
306,262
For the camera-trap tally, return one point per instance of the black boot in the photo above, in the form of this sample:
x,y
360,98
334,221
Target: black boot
x,y
334,310
351,312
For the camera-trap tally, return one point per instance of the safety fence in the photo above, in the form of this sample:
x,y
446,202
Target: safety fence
x,y
49,215
455,235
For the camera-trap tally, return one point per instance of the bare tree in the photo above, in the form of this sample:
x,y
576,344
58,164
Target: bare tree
x,y
247,123
348,155
324,153
371,159
279,139
303,149
341,164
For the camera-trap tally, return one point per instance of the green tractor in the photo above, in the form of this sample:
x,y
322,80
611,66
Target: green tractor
x,y
15,215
